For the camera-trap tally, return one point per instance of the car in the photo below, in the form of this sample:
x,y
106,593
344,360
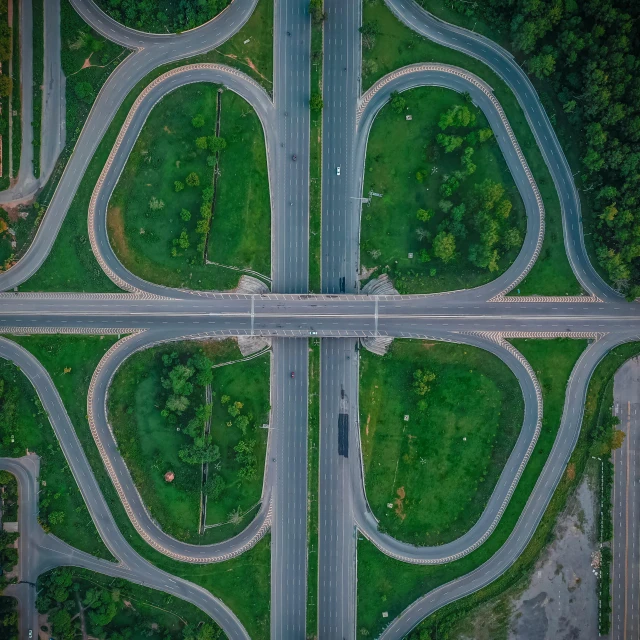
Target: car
x,y
338,171
313,333
294,157
30,633
293,374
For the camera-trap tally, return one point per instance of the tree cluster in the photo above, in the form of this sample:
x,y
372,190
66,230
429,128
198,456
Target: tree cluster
x,y
163,17
590,54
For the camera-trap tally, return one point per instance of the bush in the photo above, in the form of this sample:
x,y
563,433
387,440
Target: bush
x,y
193,179
198,121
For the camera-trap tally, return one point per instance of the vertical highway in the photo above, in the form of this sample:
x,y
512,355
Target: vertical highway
x,y
290,274
338,358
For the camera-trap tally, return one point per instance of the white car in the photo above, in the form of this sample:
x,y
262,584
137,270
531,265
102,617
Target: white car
x,y
338,171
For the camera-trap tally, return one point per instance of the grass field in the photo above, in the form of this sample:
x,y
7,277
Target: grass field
x,y
71,265
439,468
242,583
25,426
150,446
389,224
397,46
391,586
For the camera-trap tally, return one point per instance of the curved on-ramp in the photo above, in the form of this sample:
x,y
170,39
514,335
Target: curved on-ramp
x,y
124,484
130,566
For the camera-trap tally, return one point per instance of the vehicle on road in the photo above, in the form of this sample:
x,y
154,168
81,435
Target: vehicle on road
x,y
293,374
30,633
338,171
294,157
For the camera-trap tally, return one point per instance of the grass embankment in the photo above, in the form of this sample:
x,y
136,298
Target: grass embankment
x,y
397,46
38,81
157,219
16,94
242,583
595,439
552,361
24,426
150,443
87,60
313,471
415,179
71,265
438,469
102,606
315,165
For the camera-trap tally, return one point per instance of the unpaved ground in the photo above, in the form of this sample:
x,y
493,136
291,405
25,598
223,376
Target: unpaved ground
x,y
560,601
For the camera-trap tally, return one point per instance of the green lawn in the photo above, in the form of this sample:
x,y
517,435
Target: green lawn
x,y
438,469
241,226
390,226
391,586
71,265
24,426
150,445
397,46
242,583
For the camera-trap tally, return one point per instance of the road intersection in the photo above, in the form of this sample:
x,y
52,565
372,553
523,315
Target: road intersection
x,y
483,317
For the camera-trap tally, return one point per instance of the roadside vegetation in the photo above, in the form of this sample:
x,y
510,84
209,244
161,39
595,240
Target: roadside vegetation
x,y
87,61
582,59
316,9
38,80
313,471
162,16
6,53
159,415
9,505
598,436
24,426
388,45
71,265
9,618
448,214
186,196
78,602
552,360
438,468
242,583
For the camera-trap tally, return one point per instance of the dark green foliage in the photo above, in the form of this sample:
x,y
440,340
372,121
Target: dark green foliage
x,y
162,16
8,619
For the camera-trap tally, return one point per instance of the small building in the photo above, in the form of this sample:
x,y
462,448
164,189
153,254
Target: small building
x,y
169,476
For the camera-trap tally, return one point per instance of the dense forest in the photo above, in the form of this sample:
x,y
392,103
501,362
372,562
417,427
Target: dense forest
x,y
589,51
163,16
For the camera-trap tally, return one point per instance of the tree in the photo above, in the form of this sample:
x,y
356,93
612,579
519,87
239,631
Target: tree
x,y
214,486
155,204
177,404
316,10
542,66
178,186
6,86
201,142
193,179
198,121
485,134
202,450
369,31
449,186
424,215
57,517
444,246
457,116
422,380
185,215
83,90
450,143
216,144
512,238
316,103
398,103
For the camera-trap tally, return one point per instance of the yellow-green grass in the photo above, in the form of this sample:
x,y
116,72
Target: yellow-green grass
x,y
242,583
397,46
389,224
390,585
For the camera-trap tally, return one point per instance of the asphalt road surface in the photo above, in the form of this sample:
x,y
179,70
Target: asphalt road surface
x,y
289,315
625,574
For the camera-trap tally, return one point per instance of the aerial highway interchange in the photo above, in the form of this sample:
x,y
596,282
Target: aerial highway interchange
x,y
341,316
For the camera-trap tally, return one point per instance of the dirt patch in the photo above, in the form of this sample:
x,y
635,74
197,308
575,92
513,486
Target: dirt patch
x,y
366,429
13,213
365,273
166,129
87,63
571,471
399,502
428,345
115,226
